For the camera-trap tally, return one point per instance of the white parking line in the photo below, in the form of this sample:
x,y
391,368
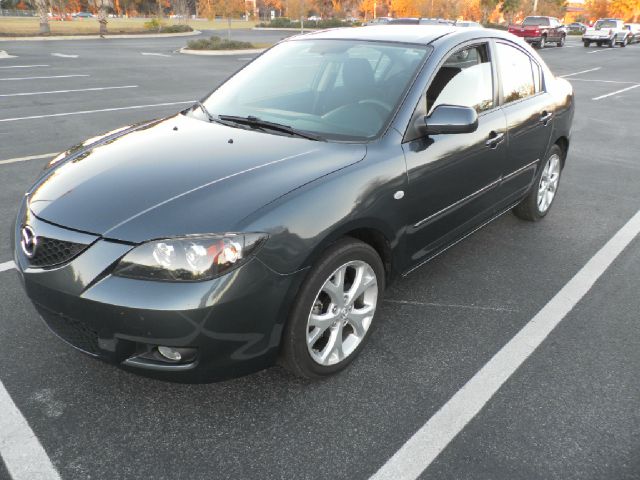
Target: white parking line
x,y
616,92
601,81
39,78
24,66
82,112
426,444
580,72
95,89
155,54
22,453
64,55
603,50
24,159
7,266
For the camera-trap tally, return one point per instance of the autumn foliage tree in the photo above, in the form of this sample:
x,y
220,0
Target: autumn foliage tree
x,y
225,8
626,9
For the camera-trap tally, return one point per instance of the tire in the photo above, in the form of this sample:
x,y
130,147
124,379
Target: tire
x,y
530,208
624,43
587,44
315,355
562,41
543,41
612,43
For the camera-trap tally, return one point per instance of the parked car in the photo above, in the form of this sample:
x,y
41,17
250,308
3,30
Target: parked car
x,y
540,30
83,15
378,21
634,32
468,24
576,27
607,31
264,225
404,21
435,21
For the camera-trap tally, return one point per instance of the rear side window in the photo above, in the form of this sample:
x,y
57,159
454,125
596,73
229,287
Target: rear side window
x,y
515,70
541,21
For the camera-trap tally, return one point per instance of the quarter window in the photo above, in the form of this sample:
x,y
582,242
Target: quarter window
x,y
516,72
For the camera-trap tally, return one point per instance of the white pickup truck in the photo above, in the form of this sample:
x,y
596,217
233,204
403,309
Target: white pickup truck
x,y
607,31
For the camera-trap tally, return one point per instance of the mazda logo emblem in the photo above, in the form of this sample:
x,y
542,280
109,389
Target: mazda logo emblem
x,y
29,241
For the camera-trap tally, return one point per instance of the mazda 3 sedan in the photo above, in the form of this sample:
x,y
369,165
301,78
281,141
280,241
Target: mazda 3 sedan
x,y
263,223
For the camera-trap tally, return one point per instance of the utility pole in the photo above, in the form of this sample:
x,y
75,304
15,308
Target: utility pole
x,y
535,5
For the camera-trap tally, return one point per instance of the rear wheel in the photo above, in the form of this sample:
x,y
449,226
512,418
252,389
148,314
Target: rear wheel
x,y
334,312
539,199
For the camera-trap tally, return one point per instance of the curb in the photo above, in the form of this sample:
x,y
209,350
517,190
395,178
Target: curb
x,y
263,29
94,37
188,51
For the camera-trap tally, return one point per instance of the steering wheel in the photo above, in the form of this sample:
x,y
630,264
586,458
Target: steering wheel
x,y
382,108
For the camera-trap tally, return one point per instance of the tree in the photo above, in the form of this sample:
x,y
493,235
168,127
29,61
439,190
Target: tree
x,y
405,8
597,8
510,8
226,8
626,9
42,6
486,9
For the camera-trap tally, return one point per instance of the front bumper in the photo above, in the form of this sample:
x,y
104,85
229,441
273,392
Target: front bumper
x,y
234,321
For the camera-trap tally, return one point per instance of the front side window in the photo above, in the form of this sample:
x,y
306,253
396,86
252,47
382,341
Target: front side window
x,y
516,73
335,89
464,79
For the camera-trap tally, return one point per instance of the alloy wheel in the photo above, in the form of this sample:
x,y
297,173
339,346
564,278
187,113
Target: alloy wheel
x,y
342,312
548,183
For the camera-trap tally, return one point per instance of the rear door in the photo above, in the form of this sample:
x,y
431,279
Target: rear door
x,y
529,113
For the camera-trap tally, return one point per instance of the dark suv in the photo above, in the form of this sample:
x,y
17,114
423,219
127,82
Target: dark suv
x,y
540,30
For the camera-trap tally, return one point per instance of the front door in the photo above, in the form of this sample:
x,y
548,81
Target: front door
x,y
453,178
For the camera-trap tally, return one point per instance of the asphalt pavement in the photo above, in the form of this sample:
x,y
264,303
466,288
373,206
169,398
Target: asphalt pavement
x,y
570,411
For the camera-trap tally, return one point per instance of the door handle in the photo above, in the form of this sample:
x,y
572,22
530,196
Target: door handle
x,y
495,139
546,116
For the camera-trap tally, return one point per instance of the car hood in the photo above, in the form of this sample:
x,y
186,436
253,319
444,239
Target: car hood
x,y
179,176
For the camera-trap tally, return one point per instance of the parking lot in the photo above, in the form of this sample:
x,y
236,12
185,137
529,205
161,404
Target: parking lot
x,y
570,411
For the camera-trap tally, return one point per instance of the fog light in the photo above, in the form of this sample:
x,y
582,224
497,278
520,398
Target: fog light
x,y
170,353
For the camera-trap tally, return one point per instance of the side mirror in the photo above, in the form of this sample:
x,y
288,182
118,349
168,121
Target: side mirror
x,y
451,119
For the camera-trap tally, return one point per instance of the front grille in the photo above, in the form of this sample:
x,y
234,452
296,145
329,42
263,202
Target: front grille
x,y
72,331
51,252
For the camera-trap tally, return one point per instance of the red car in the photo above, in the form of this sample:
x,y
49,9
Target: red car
x,y
540,30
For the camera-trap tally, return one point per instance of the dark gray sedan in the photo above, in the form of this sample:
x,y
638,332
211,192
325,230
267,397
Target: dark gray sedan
x,y
264,223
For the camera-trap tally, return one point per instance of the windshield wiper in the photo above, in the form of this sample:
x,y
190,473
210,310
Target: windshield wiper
x,y
210,117
255,122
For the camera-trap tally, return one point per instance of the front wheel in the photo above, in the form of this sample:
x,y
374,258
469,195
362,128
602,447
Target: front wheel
x,y
543,42
334,312
539,199
612,42
562,41
586,44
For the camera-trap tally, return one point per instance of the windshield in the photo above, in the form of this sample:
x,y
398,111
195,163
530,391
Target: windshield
x,y
535,21
605,24
335,89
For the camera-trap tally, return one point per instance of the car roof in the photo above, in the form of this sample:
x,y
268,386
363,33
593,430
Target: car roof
x,y
419,34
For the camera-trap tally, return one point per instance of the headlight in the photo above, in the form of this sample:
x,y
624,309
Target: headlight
x,y
189,259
